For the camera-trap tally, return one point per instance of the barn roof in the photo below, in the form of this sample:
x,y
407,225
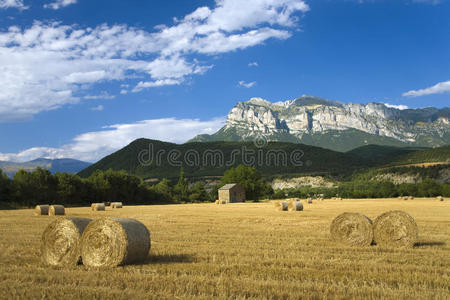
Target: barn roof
x,y
228,186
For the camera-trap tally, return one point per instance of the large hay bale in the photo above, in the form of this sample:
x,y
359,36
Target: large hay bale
x,y
353,229
295,206
98,206
41,210
60,243
395,229
110,242
56,210
284,205
116,204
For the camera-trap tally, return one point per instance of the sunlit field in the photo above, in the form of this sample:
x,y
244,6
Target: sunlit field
x,y
245,250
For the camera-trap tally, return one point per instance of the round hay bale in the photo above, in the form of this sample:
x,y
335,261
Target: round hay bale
x,y
217,202
116,204
440,198
353,229
98,206
56,210
110,242
405,198
410,198
41,210
309,200
60,243
284,205
295,206
395,229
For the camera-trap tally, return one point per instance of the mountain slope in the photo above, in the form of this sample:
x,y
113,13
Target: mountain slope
x,y
53,165
197,159
334,125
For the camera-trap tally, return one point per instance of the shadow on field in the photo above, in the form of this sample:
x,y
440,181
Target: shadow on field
x,y
425,244
169,258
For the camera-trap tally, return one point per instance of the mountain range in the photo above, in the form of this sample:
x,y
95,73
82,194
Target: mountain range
x,y
334,125
53,165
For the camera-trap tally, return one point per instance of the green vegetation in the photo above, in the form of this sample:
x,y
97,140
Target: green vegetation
x,y
250,179
151,159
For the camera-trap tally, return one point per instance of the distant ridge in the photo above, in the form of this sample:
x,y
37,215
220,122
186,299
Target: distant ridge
x,y
67,165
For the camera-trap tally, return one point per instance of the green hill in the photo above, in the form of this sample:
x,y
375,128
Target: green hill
x,y
440,154
155,159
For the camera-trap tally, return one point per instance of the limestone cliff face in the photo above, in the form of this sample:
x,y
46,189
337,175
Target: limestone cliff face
x,y
311,115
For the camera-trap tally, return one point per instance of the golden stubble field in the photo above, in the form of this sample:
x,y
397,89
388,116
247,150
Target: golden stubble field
x,y
240,251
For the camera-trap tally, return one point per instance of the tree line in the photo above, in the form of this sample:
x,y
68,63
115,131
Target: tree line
x,y
39,186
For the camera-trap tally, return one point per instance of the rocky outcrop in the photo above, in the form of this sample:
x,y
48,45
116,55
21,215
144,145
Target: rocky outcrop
x,y
309,115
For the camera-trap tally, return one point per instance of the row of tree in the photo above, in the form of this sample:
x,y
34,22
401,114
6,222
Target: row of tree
x,y
370,189
40,187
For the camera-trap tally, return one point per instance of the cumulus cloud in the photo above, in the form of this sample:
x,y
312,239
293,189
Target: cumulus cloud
x,y
253,64
246,84
49,65
399,106
440,88
92,146
4,4
59,4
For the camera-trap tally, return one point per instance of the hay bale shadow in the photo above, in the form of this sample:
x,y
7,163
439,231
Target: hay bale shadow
x,y
169,258
425,244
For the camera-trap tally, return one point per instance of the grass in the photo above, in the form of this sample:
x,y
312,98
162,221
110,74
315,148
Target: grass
x,y
242,250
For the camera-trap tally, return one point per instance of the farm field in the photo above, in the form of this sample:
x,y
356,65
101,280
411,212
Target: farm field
x,y
242,250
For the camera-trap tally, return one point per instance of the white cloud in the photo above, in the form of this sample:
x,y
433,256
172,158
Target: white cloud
x,y
59,4
98,108
246,84
399,106
142,85
440,88
253,64
102,95
92,146
4,4
49,65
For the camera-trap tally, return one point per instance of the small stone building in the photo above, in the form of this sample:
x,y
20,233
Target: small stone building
x,y
232,192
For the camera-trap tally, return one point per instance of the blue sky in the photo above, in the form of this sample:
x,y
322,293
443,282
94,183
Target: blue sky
x,y
83,78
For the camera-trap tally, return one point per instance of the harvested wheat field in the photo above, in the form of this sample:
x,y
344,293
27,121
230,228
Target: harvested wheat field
x,y
241,250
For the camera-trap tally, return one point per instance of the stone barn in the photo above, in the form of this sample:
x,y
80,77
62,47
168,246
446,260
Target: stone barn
x,y
232,192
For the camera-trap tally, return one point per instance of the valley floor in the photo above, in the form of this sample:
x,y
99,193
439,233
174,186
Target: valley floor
x,y
245,250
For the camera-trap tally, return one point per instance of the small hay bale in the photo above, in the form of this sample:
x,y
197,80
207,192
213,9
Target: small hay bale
x,y
395,229
284,205
309,200
399,197
60,243
410,198
98,206
295,206
353,229
217,202
440,198
405,198
116,204
41,210
56,210
110,242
